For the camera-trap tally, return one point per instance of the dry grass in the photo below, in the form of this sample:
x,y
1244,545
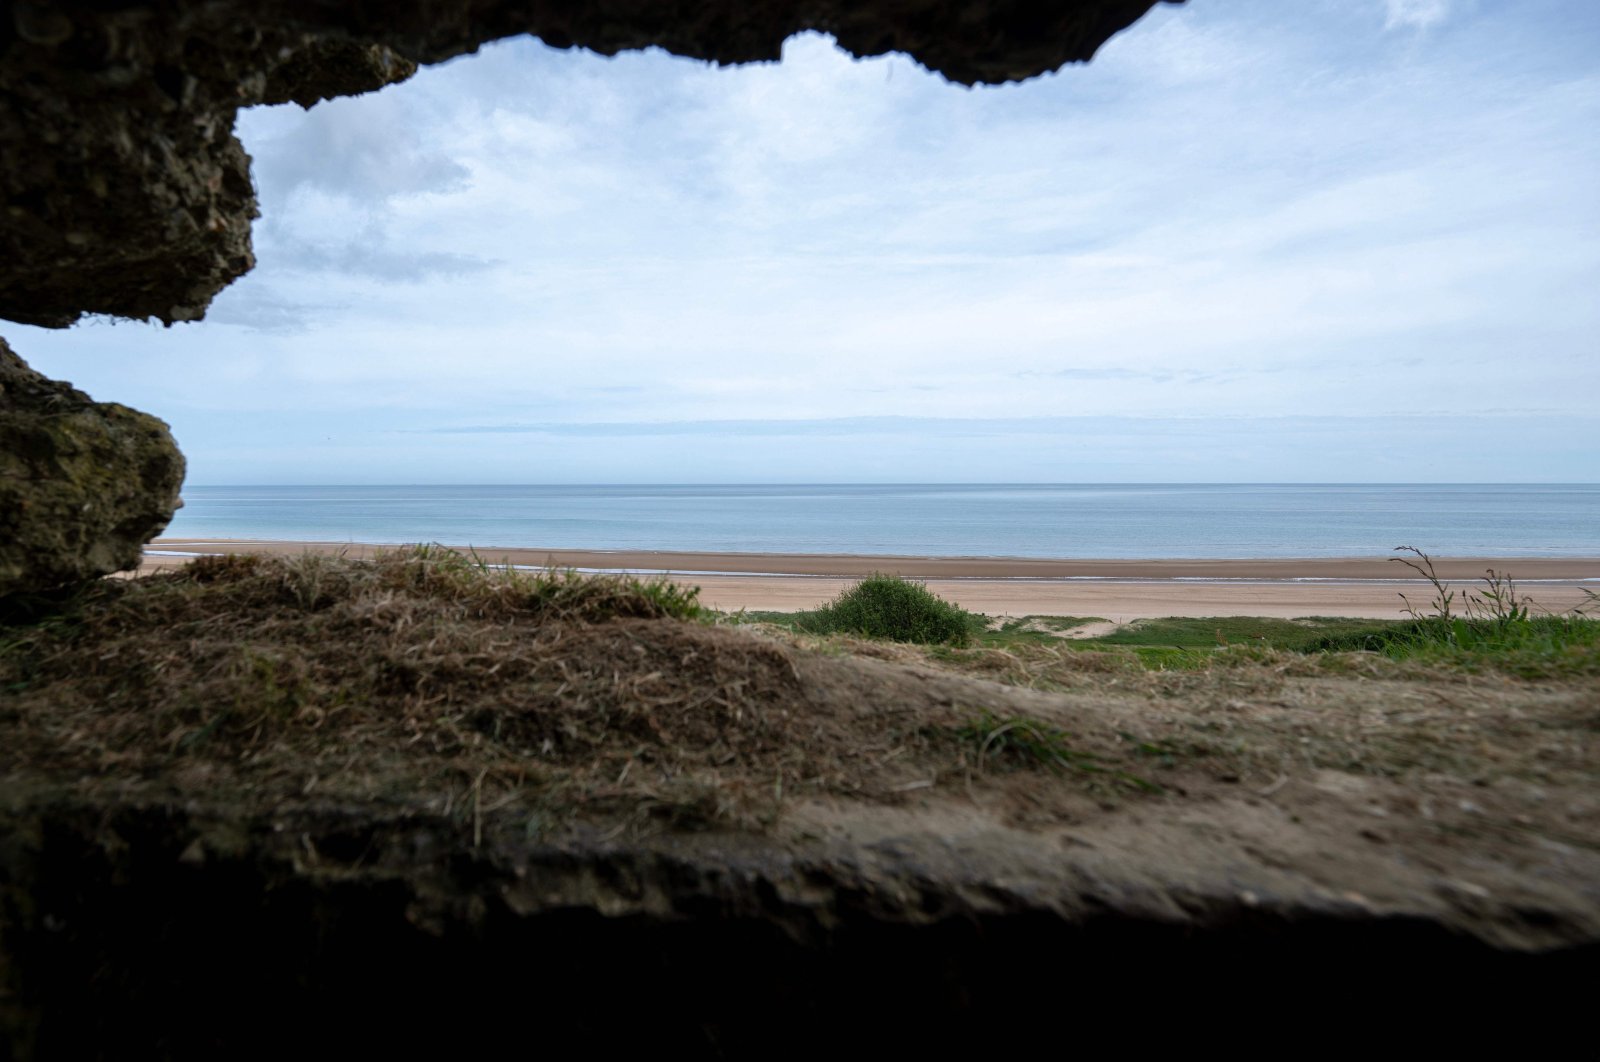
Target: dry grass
x,y
422,672
1261,712
548,702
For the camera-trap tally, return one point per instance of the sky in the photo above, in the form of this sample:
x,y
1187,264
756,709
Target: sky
x,y
1324,241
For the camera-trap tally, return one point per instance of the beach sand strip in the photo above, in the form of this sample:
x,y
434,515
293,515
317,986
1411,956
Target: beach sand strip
x,y
1118,590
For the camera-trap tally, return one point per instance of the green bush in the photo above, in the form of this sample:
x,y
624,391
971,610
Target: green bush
x,y
887,606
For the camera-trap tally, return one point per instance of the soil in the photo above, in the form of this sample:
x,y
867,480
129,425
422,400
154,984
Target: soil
x,y
364,766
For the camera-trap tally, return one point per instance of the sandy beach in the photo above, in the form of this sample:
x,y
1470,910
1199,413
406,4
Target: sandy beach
x,y
1118,590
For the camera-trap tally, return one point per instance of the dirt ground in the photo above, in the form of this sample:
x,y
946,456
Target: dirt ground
x,y
508,715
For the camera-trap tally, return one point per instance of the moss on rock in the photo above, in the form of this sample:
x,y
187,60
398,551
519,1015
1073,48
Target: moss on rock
x,y
83,484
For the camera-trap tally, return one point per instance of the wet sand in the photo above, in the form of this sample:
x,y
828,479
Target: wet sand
x,y
1118,590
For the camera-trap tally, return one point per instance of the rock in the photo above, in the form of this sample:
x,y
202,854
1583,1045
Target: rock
x,y
123,190
83,484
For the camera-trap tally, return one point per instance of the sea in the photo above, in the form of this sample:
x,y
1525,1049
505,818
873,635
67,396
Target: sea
x,y
1134,521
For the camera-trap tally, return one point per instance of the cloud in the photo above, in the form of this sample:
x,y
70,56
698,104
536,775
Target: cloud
x,y
360,148
1097,374
557,263
380,263
835,427
263,311
958,427
1415,14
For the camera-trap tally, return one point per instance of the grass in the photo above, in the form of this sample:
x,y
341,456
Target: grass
x,y
540,702
427,678
562,593
900,610
1185,643
1034,651
999,740
1224,631
1533,648
1490,628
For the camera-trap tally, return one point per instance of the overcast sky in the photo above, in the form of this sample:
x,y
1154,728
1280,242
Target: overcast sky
x,y
1328,240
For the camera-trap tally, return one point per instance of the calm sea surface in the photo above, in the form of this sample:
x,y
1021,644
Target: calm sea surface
x,y
1133,521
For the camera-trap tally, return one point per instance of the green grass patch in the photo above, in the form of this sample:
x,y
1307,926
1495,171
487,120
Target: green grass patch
x,y
1015,741
789,621
1178,644
1222,631
1017,631
1491,627
1193,644
1530,646
901,610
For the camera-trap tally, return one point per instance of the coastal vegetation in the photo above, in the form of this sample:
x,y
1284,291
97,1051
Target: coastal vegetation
x,y
1492,628
532,700
901,610
529,701
464,748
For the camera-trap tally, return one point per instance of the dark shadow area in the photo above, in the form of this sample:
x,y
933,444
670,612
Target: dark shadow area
x,y
126,950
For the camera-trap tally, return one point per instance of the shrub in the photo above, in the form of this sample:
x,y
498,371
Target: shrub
x,y
887,606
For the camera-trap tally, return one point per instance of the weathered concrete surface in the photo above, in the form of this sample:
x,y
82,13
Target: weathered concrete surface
x,y
123,190
83,484
212,938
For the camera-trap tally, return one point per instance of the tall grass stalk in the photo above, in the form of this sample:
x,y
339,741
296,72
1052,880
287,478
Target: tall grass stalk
x,y
1493,627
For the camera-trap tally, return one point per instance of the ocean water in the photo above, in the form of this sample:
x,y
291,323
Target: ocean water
x,y
1135,521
